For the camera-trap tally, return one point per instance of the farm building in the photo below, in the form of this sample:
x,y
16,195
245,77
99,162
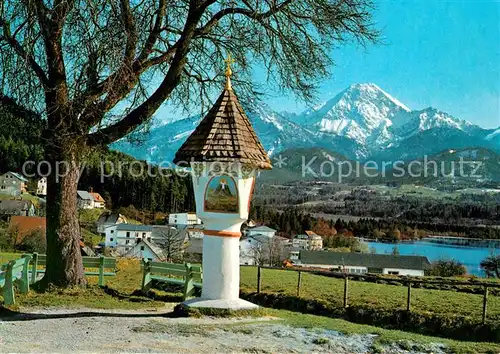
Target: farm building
x,y
364,262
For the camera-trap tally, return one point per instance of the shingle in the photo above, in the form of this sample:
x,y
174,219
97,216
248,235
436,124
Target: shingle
x,y
225,134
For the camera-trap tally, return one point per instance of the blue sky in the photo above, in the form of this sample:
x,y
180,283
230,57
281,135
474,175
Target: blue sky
x,y
444,54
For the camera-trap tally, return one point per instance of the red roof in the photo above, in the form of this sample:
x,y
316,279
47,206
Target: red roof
x,y
97,197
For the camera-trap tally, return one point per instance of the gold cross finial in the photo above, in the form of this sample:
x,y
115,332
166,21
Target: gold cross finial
x,y
229,72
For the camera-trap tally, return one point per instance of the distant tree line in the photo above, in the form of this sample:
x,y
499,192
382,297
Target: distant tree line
x,y
293,220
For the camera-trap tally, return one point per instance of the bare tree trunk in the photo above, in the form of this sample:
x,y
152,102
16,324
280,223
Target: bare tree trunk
x,y
64,258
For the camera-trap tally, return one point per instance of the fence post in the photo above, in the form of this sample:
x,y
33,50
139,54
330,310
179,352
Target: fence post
x,y
485,304
408,299
298,283
346,290
258,280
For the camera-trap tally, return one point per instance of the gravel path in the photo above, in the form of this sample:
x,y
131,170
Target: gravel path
x,y
90,330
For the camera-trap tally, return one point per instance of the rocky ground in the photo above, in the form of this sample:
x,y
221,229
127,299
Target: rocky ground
x,y
90,330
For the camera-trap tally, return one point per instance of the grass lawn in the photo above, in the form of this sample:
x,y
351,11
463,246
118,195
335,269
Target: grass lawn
x,y
382,296
92,237
90,215
121,292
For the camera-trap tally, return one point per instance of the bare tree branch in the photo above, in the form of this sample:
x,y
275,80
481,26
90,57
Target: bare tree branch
x,y
11,40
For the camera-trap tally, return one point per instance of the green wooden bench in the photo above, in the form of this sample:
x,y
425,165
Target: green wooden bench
x,y
187,275
104,266
14,273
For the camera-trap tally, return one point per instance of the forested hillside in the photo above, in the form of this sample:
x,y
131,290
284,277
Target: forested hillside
x,y
135,183
20,141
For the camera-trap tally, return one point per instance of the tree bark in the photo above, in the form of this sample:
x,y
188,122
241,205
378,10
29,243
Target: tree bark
x,y
64,258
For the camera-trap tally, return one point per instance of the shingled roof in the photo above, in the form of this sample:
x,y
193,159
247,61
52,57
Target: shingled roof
x,y
369,260
226,135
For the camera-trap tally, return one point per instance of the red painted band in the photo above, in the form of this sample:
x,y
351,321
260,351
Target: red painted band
x,y
222,233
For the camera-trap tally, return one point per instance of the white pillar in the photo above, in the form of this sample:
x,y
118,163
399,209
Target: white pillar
x,y
221,271
221,244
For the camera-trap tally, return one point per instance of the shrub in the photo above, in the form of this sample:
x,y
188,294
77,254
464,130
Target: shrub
x,y
446,268
491,266
33,242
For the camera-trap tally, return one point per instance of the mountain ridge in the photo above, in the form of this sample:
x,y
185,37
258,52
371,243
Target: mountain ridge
x,y
362,122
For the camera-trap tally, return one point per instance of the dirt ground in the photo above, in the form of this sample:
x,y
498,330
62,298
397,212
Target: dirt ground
x,y
90,330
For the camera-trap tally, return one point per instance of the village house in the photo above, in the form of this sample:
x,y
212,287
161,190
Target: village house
x,y
362,263
99,202
157,243
301,242
260,230
309,241
315,241
13,184
183,219
258,249
90,200
145,249
107,219
85,200
17,208
123,237
41,189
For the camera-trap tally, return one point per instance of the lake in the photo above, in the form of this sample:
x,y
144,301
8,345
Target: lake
x,y
471,257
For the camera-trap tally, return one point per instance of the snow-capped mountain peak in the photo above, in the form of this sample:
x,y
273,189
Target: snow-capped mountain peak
x,y
495,134
362,112
363,121
375,90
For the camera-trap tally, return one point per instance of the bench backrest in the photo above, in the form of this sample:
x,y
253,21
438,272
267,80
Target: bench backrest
x,y
14,272
95,262
41,259
88,262
160,268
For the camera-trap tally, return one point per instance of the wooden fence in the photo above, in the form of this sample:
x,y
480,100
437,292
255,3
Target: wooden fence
x,y
407,281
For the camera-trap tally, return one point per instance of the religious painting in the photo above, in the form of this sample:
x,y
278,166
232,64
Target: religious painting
x,y
221,195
